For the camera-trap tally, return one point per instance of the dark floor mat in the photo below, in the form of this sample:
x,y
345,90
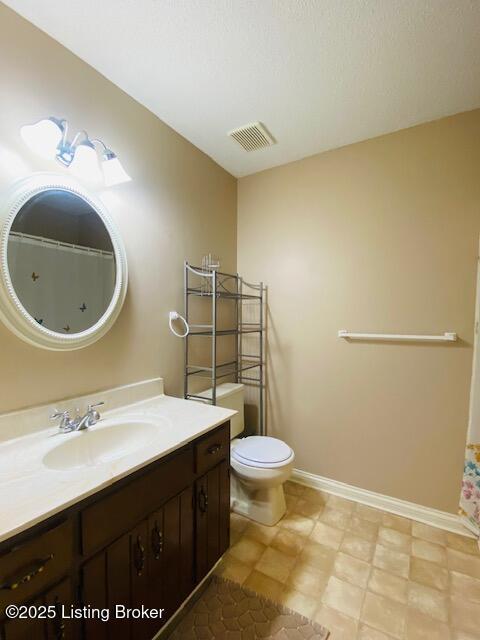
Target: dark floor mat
x,y
228,611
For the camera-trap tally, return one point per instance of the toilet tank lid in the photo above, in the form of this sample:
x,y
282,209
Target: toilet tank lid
x,y
262,449
223,390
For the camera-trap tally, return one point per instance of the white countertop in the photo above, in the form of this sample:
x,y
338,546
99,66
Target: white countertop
x,y
31,492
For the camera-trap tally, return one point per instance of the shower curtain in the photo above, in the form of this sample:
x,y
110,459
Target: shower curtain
x,y
470,496
66,288
470,500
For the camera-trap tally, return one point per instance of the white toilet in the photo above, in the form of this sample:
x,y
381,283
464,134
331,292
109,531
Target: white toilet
x,y
260,464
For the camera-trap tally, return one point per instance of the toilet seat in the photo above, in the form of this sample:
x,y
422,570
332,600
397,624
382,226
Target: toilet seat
x,y
262,452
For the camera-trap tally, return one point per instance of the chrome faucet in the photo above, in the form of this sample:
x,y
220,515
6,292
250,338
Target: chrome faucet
x,y
90,418
79,423
66,423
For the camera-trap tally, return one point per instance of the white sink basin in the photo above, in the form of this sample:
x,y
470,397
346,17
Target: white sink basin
x,y
106,441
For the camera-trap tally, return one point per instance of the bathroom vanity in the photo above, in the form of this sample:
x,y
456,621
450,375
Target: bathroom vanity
x,y
133,510
146,536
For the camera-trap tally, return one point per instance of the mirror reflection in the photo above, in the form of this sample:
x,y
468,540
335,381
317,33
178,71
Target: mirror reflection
x,y
61,261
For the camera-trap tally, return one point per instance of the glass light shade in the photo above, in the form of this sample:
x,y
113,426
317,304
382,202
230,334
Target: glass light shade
x,y
42,137
113,172
85,163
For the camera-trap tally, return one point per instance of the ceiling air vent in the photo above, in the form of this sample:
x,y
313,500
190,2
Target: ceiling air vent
x,y
252,136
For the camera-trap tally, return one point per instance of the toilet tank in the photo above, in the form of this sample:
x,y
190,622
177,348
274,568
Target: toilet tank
x,y
230,396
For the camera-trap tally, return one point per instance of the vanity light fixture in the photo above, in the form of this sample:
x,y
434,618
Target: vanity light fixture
x,y
84,163
113,171
48,138
44,137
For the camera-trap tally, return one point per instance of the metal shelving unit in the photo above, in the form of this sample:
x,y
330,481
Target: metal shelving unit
x,y
249,321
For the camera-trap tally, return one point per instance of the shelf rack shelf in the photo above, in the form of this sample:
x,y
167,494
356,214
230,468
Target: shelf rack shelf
x,y
224,332
226,369
222,294
215,286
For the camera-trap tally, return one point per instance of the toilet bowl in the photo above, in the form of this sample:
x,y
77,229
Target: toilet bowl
x,y
260,464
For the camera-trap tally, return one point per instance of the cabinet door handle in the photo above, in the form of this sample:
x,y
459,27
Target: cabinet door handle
x,y
202,501
32,570
214,448
157,541
139,556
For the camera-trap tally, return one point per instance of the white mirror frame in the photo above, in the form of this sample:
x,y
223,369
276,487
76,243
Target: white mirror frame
x,y
12,312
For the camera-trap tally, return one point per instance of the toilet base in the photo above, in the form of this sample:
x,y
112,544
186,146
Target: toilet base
x,y
266,506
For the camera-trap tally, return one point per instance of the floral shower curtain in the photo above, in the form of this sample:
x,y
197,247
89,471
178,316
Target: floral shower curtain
x,y
470,501
470,496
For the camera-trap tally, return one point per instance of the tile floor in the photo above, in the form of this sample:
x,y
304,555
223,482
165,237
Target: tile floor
x,y
363,573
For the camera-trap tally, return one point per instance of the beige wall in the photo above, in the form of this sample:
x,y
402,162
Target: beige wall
x,y
179,205
376,236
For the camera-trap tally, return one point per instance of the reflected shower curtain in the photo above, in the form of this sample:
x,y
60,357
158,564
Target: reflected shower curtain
x,y
65,287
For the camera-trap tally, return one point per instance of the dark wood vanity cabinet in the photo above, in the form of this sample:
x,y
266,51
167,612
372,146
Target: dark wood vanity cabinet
x,y
151,565
146,541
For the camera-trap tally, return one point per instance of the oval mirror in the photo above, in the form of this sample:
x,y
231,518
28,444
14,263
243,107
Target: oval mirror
x,y
63,264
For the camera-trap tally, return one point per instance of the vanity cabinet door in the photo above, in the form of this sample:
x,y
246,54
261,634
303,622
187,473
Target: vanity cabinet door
x,y
109,580
117,580
212,500
170,555
178,550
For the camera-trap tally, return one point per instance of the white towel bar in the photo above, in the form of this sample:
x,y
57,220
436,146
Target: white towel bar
x,y
448,336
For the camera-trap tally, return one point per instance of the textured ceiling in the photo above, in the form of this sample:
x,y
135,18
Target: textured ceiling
x,y
319,73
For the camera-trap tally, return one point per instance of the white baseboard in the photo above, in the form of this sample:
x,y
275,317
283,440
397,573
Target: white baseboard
x,y
433,517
